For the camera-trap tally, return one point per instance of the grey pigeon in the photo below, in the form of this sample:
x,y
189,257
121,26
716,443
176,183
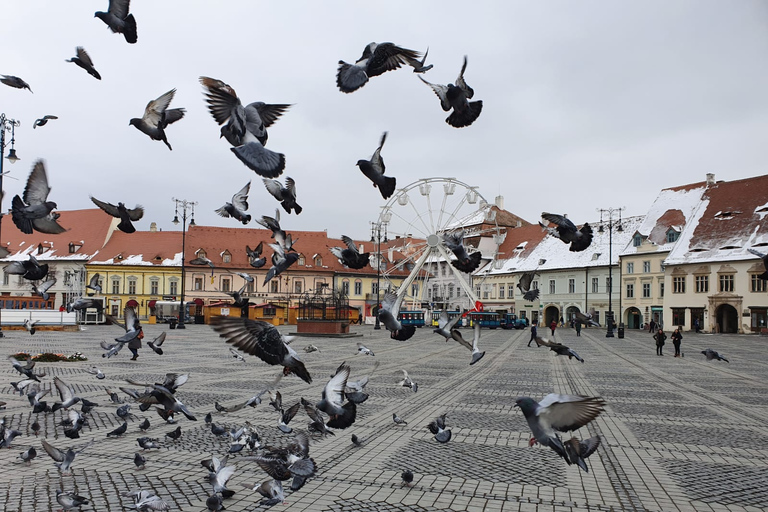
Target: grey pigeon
x,y
357,441
281,260
28,454
561,413
263,340
29,325
14,81
374,170
163,396
350,256
286,417
7,435
445,325
35,427
66,393
245,128
43,121
93,283
214,503
390,308
70,500
524,284
565,230
465,262
217,430
98,373
201,261
42,288
220,476
124,411
456,96
236,209
585,318
112,349
63,459
476,354
407,382
82,303
119,19
144,425
713,354
157,116
119,431
362,349
272,490
292,461
398,420
437,427
126,215
35,212
285,194
577,450
764,257
254,256
83,60
157,343
174,434
146,443
342,415
558,348
377,58
318,424
139,460
407,477
311,348
419,65
132,325
30,269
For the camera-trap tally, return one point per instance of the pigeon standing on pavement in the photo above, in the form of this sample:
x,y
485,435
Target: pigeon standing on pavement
x,y
83,60
437,427
350,256
126,215
377,59
565,230
43,121
28,454
285,194
713,354
456,96
398,420
407,477
374,170
70,500
139,460
119,431
14,81
174,434
35,212
119,19
465,262
144,425
157,116
237,208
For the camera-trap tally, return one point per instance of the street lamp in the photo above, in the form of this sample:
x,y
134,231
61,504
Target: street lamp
x,y
9,125
613,218
185,206
376,228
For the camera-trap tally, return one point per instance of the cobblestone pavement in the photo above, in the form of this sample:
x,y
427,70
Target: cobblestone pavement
x,y
678,433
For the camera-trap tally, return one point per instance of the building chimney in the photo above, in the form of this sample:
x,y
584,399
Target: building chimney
x,y
499,201
710,178
153,227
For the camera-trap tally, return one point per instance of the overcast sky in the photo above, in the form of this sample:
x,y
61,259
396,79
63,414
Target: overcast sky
x,y
587,104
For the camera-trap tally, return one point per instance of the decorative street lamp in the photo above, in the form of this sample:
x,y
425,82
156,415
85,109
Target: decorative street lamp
x,y
376,229
185,206
9,125
612,216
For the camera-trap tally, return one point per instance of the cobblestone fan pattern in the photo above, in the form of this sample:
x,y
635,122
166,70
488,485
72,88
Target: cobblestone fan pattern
x,y
678,434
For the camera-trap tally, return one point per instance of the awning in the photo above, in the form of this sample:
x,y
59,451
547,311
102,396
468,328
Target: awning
x,y
198,302
132,304
151,304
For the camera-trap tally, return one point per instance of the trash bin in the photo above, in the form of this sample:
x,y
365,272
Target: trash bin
x,y
172,323
199,319
621,330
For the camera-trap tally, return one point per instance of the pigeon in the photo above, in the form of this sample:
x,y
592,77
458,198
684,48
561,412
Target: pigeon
x,y
214,503
29,325
398,420
342,415
84,61
272,490
524,284
357,441
125,215
119,431
254,256
236,354
35,427
219,477
157,343
217,430
764,257
374,171
157,116
119,20
565,230
162,395
42,289
318,424
456,97
236,209
350,256
407,382
28,454
311,348
390,308
377,59
132,325
234,408
293,461
67,394
713,354
445,325
124,411
281,260
558,412
276,401
98,373
208,419
585,319
35,212
166,415
577,451
63,459
70,500
286,417
14,81
263,340
476,354
25,370
419,65
144,425
81,303
362,349
174,434
285,194
273,224
7,435
112,349
43,121
146,443
558,348
246,127
407,477
30,270
465,262
437,427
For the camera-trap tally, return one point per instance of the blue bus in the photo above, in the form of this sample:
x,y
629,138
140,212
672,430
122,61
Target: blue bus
x,y
411,318
488,320
510,321
451,315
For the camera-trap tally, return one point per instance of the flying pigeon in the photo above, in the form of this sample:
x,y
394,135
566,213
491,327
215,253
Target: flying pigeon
x,y
585,319
280,262
558,412
437,427
764,257
132,325
285,194
276,400
35,212
119,431
7,435
237,208
157,116
43,121
81,303
377,58
476,354
236,354
272,490
121,212
342,415
233,408
157,343
93,284
25,370
374,171
164,396
286,417
201,261
350,256
407,477
558,348
407,382
390,308
418,65
577,451
14,82
465,262
445,325
70,500
42,289
31,269
292,461
362,349
456,97
29,325
119,20
66,393
84,61
567,231
246,127
28,454
63,459
318,421
713,354
254,256
219,477
524,284
263,340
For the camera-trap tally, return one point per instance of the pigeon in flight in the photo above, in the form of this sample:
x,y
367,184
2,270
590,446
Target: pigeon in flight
x,y
585,319
35,212
157,116
66,393
285,194
318,421
81,303
577,450
374,171
465,262
83,60
93,284
377,59
263,340
445,325
26,370
476,354
561,413
407,382
524,284
272,490
558,348
280,261
70,500
121,212
236,209
342,415
456,97
437,427
63,459
43,121
567,231
713,354
350,256
254,256
286,416
31,269
14,81
201,261
764,257
390,308
157,343
119,20
42,289
362,349
292,461
246,127
419,65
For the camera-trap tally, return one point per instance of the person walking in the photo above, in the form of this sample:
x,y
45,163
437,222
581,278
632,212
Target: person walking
x,y
696,325
533,334
659,337
578,328
553,326
652,327
677,337
135,344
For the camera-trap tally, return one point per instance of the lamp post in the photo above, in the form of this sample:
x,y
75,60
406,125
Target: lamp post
x,y
612,216
376,228
186,206
9,125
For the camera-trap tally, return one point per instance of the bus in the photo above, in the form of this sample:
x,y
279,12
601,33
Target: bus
x,y
451,315
411,318
510,321
488,320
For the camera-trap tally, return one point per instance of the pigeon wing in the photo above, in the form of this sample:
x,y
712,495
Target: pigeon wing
x,y
119,8
376,161
153,113
461,84
37,189
54,452
65,392
253,337
223,102
334,389
568,412
84,57
442,93
107,207
240,200
559,220
269,113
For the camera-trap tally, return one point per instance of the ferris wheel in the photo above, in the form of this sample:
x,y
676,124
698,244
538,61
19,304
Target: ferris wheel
x,y
416,221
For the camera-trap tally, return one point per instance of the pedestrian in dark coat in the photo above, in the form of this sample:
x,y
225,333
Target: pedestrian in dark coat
x,y
553,326
533,334
659,337
578,328
677,337
135,344
652,327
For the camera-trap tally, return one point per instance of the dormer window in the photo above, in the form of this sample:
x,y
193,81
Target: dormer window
x,y
200,253
301,260
226,257
637,240
73,247
672,236
318,261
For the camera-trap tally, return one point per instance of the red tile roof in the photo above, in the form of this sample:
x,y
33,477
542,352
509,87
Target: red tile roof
x,y
142,248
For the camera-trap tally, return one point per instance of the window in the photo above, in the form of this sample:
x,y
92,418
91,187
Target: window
x,y
758,285
249,287
344,287
608,284
534,285
501,291
678,284
571,286
510,291
115,286
637,240
450,291
132,286
646,266
5,274
477,290
297,286
551,286
661,290
672,236
595,285
226,284
273,286
300,261
154,285
358,287
318,261
646,290
374,288
415,289
702,284
442,268
429,294
173,287
678,316
726,282
630,291
630,268
200,253
226,257
270,310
